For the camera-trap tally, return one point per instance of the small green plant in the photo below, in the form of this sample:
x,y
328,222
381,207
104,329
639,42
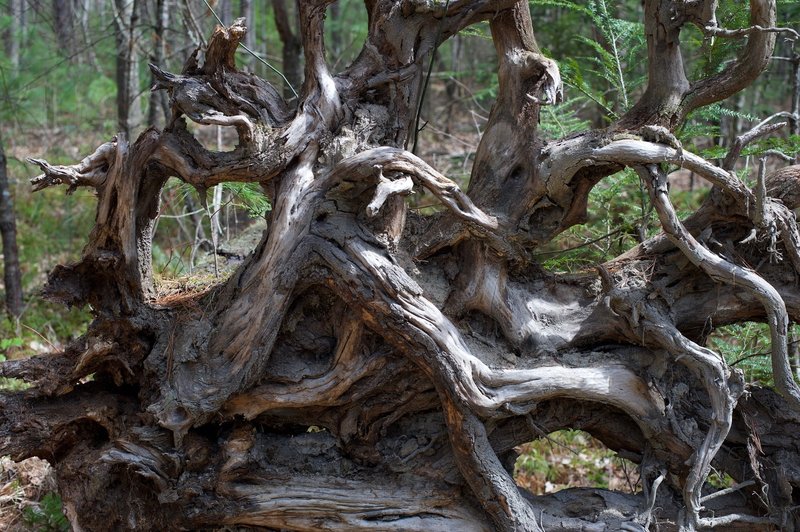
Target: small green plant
x,y
48,515
249,197
720,480
8,343
619,215
746,346
604,70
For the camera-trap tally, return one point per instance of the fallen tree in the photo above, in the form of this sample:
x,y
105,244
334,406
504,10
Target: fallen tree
x,y
336,380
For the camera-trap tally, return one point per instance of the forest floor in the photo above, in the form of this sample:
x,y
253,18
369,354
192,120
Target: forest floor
x,y
28,497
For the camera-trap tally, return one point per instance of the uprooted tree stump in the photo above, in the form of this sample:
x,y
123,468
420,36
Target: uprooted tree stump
x,y
357,317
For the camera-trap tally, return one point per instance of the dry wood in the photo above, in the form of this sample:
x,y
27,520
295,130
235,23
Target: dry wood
x,y
368,368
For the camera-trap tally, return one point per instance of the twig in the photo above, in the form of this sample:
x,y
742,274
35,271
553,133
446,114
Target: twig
x,y
743,140
761,354
720,493
278,72
587,243
188,15
652,502
726,33
184,215
40,335
542,434
779,154
427,78
215,14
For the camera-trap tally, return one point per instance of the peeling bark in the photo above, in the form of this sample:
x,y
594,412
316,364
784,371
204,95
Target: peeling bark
x,y
368,368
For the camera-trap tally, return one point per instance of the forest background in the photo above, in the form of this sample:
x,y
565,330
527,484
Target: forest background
x,y
73,73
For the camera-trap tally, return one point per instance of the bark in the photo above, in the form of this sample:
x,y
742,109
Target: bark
x,y
126,17
292,51
12,276
794,122
64,25
369,368
13,35
159,100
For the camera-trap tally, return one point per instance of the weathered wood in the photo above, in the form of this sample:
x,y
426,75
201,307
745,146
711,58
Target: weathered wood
x,y
368,368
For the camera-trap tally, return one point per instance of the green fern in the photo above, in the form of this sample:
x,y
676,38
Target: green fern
x,y
604,70
562,120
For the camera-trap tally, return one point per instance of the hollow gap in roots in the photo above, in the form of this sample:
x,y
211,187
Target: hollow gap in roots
x,y
571,459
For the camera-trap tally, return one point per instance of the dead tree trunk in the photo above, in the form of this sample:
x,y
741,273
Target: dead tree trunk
x,y
336,380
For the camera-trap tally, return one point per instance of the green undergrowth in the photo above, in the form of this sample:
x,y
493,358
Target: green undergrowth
x,y
747,346
571,459
47,515
51,229
574,459
619,216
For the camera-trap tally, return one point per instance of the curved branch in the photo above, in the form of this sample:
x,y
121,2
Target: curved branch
x,y
631,152
726,33
726,272
92,171
360,170
742,72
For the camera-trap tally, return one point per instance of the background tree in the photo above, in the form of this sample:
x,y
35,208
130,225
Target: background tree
x,y
8,230
376,363
126,21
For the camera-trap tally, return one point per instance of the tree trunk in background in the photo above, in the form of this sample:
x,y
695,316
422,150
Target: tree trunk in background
x,y
159,101
337,42
126,18
84,8
247,11
226,11
64,22
12,276
14,33
373,367
192,35
292,52
794,123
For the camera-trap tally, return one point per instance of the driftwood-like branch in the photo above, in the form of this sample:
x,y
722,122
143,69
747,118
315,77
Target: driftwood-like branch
x,y
739,32
90,172
723,388
743,140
